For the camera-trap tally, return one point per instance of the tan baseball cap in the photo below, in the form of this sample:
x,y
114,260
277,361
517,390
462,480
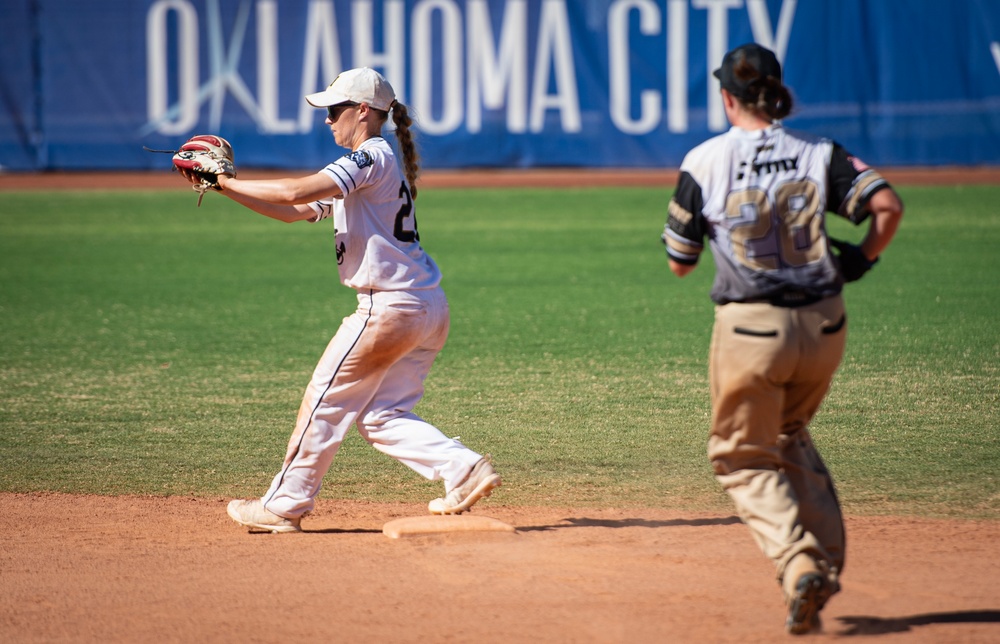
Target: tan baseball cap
x,y
361,85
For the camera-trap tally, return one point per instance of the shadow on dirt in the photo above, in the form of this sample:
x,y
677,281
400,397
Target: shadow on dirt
x,y
343,531
629,523
882,625
579,522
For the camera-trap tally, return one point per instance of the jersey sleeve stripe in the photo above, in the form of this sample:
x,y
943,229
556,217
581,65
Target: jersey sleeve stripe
x,y
342,177
322,209
867,184
681,250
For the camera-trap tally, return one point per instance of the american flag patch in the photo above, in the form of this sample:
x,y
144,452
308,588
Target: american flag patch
x,y
858,164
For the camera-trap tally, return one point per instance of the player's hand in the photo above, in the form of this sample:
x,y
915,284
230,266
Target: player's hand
x,y
852,260
190,175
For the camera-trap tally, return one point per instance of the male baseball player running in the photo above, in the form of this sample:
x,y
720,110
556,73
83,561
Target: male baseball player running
x,y
759,193
373,370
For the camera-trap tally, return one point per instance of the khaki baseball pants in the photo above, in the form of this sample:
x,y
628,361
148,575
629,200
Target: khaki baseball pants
x,y
770,368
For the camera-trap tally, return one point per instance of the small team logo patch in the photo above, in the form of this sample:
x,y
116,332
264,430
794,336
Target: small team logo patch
x,y
859,165
361,158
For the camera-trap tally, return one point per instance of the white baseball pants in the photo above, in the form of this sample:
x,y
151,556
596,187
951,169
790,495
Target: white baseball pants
x,y
372,375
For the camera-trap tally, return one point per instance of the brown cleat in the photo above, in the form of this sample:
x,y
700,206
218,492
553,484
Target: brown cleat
x,y
805,604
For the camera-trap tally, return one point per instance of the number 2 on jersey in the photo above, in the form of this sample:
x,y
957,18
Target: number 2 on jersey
x,y
399,230
758,244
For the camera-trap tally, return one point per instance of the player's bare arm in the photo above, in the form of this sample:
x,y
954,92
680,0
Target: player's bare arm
x,y
886,212
680,270
282,199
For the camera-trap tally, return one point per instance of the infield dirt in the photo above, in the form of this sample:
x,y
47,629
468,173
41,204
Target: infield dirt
x,y
150,569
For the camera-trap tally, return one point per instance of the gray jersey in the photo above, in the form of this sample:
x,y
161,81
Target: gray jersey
x,y
760,198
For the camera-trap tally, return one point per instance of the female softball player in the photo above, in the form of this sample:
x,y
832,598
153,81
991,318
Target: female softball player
x,y
372,372
759,194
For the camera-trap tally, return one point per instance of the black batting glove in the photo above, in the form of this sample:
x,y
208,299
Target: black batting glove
x,y
852,261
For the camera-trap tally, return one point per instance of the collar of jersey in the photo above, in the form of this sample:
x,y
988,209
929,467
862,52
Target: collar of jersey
x,y
755,134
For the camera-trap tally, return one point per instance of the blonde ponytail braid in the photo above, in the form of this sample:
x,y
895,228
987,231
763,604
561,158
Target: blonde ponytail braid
x,y
411,160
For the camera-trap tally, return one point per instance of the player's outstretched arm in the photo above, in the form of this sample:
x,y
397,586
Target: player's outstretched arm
x,y
282,199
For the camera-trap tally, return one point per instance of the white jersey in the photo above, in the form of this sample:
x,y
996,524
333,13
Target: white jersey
x,y
760,198
375,223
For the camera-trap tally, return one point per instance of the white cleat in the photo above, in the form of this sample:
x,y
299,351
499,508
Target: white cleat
x,y
480,482
255,516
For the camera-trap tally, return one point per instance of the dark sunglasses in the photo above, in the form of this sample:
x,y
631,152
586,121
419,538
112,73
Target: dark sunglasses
x,y
335,111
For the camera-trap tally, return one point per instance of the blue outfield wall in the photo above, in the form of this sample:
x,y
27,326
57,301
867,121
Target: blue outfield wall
x,y
492,83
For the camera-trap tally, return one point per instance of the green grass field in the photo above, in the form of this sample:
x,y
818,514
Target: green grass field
x,y
151,347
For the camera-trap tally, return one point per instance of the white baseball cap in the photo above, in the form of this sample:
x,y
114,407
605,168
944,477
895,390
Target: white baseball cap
x,y
361,85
